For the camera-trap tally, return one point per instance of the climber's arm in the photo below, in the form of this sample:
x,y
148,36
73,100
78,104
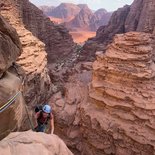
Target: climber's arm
x,y
52,124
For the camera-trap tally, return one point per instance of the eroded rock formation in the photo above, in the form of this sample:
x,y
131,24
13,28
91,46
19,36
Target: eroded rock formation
x,y
10,45
29,142
113,113
137,17
58,42
10,84
31,65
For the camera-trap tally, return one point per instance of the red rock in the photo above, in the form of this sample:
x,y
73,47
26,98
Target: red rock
x,y
29,142
113,113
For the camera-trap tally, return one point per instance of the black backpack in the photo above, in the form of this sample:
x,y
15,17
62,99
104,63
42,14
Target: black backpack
x,y
38,108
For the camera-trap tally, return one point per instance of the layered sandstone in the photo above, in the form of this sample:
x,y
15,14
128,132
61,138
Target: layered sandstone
x,y
58,42
29,142
123,86
31,65
114,114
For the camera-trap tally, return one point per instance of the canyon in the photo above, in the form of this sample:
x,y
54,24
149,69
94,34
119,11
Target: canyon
x,y
80,20
102,94
77,17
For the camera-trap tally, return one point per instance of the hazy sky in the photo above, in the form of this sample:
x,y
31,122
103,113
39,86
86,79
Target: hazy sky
x,y
109,5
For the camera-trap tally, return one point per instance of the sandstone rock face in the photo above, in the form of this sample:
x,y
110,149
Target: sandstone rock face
x,y
10,46
121,78
10,49
141,19
12,117
131,19
137,17
58,41
105,34
114,114
28,143
115,25
31,65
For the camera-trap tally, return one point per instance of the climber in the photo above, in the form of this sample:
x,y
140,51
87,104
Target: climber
x,y
42,117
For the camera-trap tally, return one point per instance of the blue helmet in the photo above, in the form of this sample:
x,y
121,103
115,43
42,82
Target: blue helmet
x,y
47,109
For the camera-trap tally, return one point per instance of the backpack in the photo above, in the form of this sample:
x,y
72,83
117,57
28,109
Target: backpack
x,y
38,108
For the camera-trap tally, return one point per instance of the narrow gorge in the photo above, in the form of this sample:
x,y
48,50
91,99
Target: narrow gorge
x,y
102,94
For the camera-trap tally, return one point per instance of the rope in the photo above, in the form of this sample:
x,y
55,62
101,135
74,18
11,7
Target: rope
x,y
6,105
31,124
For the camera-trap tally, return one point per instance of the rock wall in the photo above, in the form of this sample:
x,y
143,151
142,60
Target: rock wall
x,y
31,65
137,17
113,114
58,42
10,45
10,49
123,85
33,143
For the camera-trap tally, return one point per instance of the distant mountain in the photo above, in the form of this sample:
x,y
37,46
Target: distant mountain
x,y
100,18
65,10
81,20
47,10
81,6
77,17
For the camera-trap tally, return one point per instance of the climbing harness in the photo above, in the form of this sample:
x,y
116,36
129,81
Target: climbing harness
x,y
6,105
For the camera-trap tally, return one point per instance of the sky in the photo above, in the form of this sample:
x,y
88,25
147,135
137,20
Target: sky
x,y
109,5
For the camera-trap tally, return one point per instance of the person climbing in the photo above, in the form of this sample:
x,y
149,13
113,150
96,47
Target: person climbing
x,y
42,117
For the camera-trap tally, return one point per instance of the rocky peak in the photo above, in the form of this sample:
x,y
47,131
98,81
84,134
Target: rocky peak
x,y
101,17
82,6
100,12
47,10
65,10
78,16
82,19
